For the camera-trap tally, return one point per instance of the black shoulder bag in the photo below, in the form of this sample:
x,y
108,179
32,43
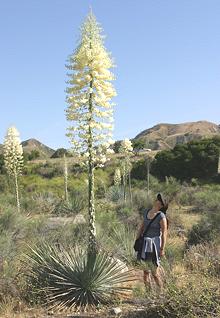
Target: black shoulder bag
x,y
138,244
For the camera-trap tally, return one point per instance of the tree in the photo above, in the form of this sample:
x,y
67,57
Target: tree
x,y
60,152
13,158
34,154
90,110
196,159
117,146
138,144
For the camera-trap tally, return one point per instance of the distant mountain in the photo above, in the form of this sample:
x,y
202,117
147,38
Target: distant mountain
x,y
166,136
33,144
159,137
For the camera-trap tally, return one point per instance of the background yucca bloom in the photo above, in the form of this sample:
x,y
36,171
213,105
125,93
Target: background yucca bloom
x,y
117,177
126,149
13,158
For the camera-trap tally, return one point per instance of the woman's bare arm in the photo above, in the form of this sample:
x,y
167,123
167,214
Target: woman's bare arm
x,y
141,230
163,225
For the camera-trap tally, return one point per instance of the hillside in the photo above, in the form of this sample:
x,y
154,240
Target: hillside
x,y
166,136
33,144
159,137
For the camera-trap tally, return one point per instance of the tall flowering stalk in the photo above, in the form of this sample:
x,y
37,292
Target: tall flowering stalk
x,y
219,164
90,110
13,158
117,177
65,172
149,159
126,149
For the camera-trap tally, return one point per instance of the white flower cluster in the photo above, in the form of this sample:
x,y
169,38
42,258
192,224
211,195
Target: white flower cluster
x,y
126,147
117,177
13,152
89,93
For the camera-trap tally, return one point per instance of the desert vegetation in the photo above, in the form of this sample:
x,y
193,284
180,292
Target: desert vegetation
x,y
67,228
50,235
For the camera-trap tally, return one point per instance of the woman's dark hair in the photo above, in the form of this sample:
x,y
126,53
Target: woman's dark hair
x,y
163,202
164,207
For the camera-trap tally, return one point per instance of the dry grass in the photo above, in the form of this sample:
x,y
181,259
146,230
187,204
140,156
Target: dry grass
x,y
189,219
14,308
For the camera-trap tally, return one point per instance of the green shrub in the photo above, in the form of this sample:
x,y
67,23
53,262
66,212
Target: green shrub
x,y
171,188
115,194
204,259
194,182
141,200
191,300
204,198
106,215
200,233
121,243
76,203
4,184
208,199
124,211
75,235
187,196
205,231
41,203
7,220
102,182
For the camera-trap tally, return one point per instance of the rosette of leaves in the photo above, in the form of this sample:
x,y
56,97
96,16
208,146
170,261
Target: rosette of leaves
x,y
73,278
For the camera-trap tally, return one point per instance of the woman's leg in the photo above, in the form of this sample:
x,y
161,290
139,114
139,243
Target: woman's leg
x,y
157,277
147,279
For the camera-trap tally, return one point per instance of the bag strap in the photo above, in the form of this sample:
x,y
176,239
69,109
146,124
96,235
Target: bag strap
x,y
147,228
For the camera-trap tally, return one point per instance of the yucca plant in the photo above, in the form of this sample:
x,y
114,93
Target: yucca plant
x,y
114,194
74,205
69,278
90,110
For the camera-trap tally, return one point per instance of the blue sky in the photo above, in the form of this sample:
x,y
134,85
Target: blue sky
x,y
167,54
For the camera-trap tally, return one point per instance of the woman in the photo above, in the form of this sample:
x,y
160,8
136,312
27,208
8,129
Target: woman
x,y
154,240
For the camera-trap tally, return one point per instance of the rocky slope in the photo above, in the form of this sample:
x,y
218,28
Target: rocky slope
x,y
159,137
166,136
33,144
